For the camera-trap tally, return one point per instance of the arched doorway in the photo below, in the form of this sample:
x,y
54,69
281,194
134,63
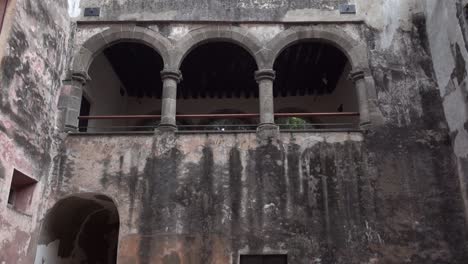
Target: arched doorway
x,y
82,228
314,76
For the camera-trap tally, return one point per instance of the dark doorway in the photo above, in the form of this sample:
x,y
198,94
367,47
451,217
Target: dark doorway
x,y
80,229
263,259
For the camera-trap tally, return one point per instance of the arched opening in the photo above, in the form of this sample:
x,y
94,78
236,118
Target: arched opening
x,y
79,229
218,76
314,76
125,80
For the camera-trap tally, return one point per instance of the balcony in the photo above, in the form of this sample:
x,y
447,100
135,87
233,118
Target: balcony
x,y
218,89
222,123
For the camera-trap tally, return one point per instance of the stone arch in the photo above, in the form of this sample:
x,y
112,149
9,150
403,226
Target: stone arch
x,y
354,50
100,41
79,228
236,35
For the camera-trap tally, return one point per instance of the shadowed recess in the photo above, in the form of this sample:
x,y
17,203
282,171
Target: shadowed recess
x,y
138,67
309,68
80,229
218,70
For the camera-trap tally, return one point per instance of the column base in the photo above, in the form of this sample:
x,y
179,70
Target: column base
x,y
267,126
167,128
365,125
70,129
267,132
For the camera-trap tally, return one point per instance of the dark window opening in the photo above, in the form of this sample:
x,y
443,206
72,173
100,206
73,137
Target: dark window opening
x,y
21,191
263,259
11,196
465,11
219,76
313,77
138,67
309,68
3,7
218,70
125,80
84,111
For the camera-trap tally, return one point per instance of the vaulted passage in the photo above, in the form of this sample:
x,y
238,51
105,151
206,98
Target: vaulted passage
x,y
313,77
80,229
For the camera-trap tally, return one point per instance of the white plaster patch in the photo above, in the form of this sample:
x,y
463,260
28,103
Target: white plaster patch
x,y
169,15
179,32
390,13
311,14
336,138
455,110
262,4
74,9
47,253
265,33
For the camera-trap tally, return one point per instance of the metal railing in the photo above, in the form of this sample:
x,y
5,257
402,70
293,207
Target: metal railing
x,y
207,122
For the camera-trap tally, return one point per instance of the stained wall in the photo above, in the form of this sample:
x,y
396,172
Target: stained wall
x,y
388,195
34,54
447,28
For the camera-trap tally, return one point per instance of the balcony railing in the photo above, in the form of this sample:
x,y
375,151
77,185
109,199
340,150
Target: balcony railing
x,y
203,123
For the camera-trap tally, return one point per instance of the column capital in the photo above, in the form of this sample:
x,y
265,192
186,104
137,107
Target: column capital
x,y
356,75
171,74
265,74
81,77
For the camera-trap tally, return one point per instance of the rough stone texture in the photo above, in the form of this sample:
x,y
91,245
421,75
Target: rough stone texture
x,y
321,198
392,194
33,59
239,10
447,29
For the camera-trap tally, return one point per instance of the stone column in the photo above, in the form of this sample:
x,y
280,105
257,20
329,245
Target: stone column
x,y
265,80
170,80
70,101
361,90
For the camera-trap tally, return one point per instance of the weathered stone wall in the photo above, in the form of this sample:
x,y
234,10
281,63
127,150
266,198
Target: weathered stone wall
x,y
447,29
319,197
216,10
409,208
34,55
390,195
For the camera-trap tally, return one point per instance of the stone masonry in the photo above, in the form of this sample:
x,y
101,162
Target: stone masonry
x,y
392,191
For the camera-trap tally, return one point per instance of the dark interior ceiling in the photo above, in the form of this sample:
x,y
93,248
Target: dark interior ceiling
x,y
138,67
226,70
309,68
218,69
